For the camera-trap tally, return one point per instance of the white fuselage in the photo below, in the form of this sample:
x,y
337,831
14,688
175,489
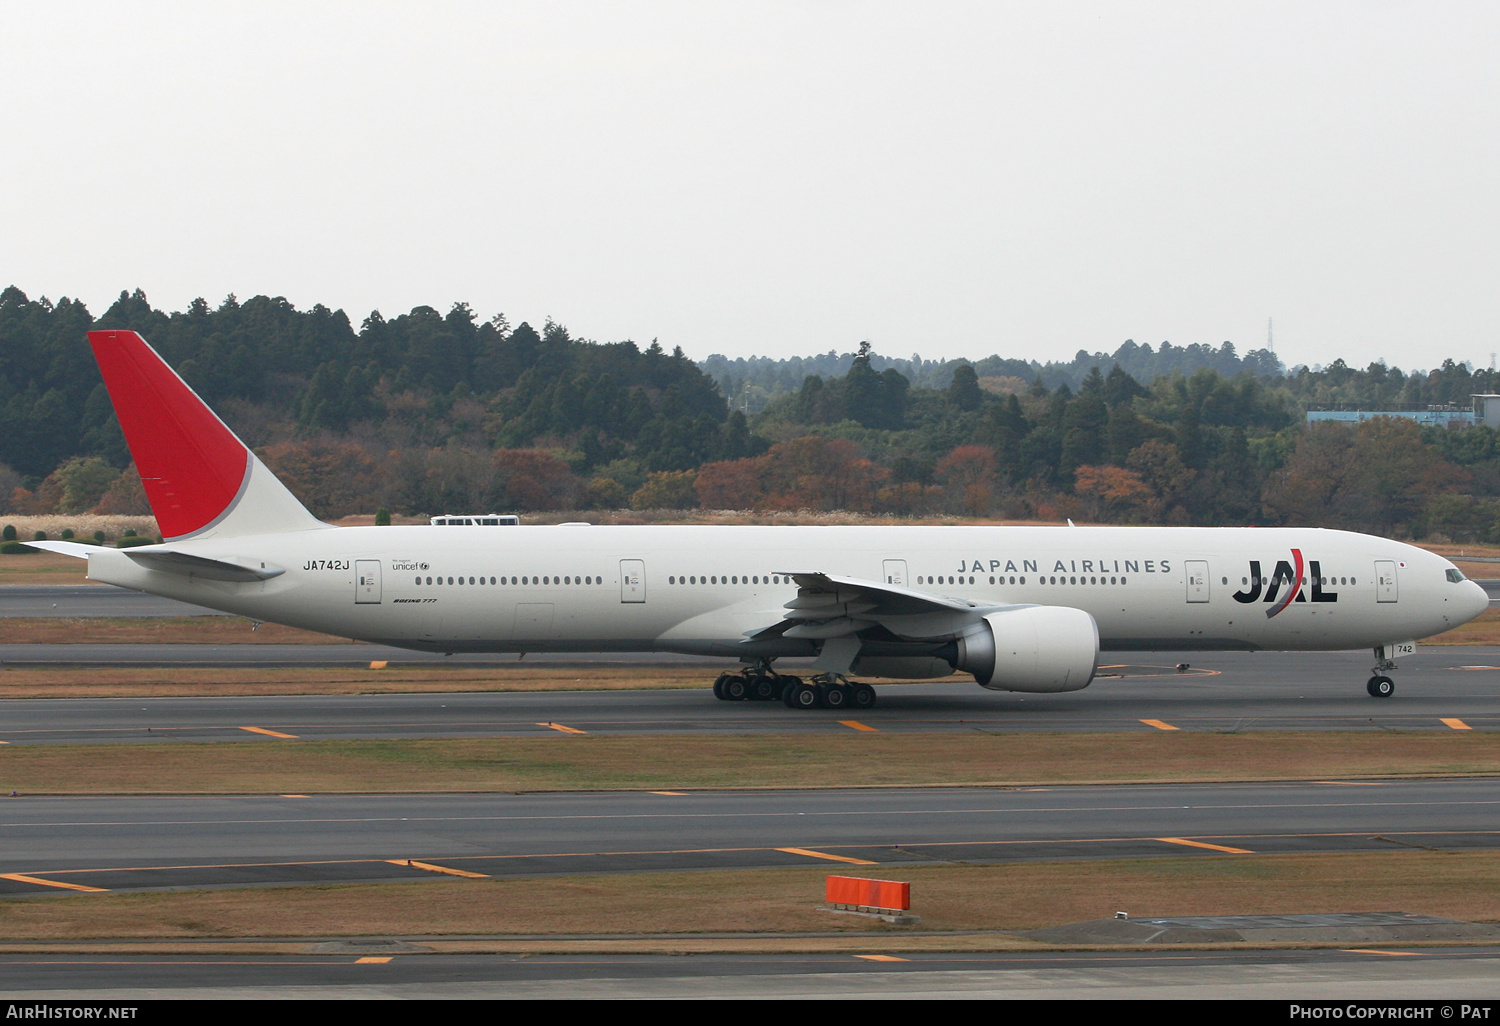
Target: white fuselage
x,y
704,589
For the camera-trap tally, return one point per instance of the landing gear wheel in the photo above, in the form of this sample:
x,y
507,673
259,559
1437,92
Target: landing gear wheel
x,y
801,696
1381,687
719,687
764,689
736,689
834,696
862,696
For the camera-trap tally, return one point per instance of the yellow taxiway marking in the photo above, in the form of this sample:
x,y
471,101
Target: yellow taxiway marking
x,y
675,794
294,796
1455,723
882,958
1202,844
372,960
856,725
377,664
1376,951
559,726
431,868
23,878
1159,725
824,855
268,733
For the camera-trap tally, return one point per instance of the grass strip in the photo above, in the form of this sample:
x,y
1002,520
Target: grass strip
x,y
395,678
744,903
667,762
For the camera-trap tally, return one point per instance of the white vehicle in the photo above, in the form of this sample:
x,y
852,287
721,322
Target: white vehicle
x,y
1020,608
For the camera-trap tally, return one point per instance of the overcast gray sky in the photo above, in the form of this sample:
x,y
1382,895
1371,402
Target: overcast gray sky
x,y
778,178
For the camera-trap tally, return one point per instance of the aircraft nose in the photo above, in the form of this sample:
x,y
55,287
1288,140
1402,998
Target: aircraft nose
x,y
1479,599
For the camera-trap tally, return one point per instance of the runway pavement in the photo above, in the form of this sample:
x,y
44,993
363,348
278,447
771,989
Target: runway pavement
x,y
136,843
84,600
1460,979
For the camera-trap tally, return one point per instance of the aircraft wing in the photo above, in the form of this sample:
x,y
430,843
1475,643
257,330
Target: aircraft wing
x,y
828,607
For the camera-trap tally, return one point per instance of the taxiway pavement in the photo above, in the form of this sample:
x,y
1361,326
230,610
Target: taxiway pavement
x,y
1438,689
135,843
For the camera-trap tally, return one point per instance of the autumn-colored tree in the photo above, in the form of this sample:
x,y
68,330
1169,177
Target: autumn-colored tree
x,y
732,484
126,495
1114,494
536,479
969,472
821,473
667,489
909,499
333,479
1378,474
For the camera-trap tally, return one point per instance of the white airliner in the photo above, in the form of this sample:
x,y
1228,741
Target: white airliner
x,y
1020,608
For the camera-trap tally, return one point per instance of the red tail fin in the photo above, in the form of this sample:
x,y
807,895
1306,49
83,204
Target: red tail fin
x,y
193,467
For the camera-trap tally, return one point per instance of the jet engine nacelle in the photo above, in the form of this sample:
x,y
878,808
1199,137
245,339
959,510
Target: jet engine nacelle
x,y
1034,648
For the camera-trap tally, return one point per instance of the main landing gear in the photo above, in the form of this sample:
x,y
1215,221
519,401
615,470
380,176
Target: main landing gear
x,y
760,683
1381,686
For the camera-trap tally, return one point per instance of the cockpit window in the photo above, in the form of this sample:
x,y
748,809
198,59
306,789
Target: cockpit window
x,y
1455,575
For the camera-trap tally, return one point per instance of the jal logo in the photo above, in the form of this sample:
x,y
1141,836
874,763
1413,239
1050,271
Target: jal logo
x,y
1285,585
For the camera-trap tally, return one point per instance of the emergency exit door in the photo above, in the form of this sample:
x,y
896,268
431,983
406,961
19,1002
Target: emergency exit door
x,y
894,571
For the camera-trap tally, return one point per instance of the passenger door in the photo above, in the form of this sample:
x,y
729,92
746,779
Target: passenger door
x,y
1385,580
1197,580
367,582
632,580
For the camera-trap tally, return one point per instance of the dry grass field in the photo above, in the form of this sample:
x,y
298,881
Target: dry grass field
x,y
679,762
661,912
396,678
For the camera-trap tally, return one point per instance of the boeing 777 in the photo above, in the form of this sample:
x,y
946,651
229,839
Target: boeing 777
x,y
1020,608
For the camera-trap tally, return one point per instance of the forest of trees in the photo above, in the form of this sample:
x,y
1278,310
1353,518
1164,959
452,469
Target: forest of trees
x,y
428,412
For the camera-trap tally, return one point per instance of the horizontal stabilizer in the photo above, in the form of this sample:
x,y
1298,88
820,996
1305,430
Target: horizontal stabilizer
x,y
187,565
64,548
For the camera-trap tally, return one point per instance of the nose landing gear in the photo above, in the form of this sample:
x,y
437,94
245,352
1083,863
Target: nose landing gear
x,y
1381,686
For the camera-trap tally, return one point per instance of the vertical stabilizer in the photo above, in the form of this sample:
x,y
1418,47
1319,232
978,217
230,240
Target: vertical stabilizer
x,y
201,480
